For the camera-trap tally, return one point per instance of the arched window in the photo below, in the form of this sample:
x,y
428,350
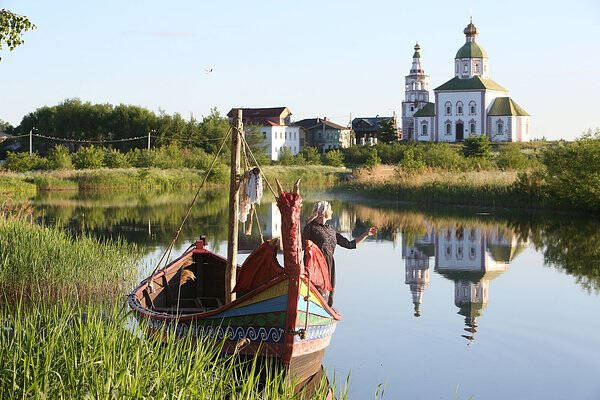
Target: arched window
x,y
459,107
499,127
448,108
465,67
424,129
448,129
472,127
477,70
472,108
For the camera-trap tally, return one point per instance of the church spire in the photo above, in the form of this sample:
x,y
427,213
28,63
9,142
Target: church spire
x,y
470,31
416,64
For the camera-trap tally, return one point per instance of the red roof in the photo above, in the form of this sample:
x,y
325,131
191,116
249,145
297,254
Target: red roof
x,y
263,116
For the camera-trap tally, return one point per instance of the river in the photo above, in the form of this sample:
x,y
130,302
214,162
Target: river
x,y
440,304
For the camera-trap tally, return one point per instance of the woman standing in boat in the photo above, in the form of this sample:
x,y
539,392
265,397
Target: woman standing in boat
x,y
327,238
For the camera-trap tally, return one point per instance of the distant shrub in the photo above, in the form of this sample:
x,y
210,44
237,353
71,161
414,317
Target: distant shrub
x,y
170,156
442,155
89,157
335,158
311,155
287,158
197,159
511,157
412,160
372,159
25,162
59,157
115,159
477,146
140,158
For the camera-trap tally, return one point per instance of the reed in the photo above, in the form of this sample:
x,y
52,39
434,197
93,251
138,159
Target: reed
x,y
12,186
47,263
80,352
310,175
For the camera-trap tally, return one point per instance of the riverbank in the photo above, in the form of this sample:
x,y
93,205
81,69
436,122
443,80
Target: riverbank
x,y
486,188
13,184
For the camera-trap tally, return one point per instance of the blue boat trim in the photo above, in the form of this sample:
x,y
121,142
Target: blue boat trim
x,y
271,305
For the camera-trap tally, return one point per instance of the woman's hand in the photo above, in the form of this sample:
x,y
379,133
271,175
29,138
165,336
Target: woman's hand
x,y
373,230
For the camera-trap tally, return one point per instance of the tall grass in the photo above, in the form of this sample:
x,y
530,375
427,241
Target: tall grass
x,y
14,186
69,352
44,262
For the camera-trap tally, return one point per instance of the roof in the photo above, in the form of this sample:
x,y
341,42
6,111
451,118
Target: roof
x,y
506,106
471,50
311,123
260,115
474,83
368,124
427,111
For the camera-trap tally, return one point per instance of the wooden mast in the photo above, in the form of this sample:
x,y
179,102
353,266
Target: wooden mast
x,y
234,205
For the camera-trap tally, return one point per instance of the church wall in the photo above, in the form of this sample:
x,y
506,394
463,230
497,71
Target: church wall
x,y
454,97
508,129
429,122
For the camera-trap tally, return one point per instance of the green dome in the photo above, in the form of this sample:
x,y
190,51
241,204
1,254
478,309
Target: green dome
x,y
471,50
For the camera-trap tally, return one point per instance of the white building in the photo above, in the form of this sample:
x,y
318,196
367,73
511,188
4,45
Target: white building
x,y
470,104
274,124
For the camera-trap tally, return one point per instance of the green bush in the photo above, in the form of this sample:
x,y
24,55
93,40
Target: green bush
x,y
89,157
25,162
140,158
477,146
197,159
335,158
115,159
372,159
572,172
311,155
60,158
511,157
442,155
412,160
287,158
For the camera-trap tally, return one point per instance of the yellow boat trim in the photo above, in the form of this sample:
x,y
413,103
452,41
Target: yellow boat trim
x,y
274,291
313,297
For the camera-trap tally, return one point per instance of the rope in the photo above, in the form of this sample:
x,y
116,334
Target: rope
x,y
258,166
187,214
110,140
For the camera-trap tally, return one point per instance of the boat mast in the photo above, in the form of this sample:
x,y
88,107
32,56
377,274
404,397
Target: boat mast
x,y
234,205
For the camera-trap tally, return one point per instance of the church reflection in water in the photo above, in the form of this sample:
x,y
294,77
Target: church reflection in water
x,y
470,257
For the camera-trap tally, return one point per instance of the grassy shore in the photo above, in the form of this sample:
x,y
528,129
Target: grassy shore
x,y
492,188
28,183
74,352
47,263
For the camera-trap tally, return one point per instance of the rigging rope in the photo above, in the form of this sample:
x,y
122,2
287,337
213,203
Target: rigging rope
x,y
187,214
258,166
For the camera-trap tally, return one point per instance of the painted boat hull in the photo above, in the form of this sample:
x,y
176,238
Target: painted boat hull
x,y
271,320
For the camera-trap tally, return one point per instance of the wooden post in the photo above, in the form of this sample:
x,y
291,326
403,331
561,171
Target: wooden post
x,y
31,141
234,205
149,139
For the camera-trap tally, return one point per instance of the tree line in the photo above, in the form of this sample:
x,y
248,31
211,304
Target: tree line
x,y
77,120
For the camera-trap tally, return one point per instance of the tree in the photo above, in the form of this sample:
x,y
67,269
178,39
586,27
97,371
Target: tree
x,y
5,126
12,28
387,131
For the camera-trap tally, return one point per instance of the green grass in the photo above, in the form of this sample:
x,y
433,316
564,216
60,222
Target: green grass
x,y
71,352
12,186
310,175
47,263
45,182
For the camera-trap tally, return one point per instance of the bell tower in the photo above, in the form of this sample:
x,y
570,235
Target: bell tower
x,y
416,93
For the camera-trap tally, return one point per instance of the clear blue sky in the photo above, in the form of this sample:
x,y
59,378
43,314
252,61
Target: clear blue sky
x,y
318,58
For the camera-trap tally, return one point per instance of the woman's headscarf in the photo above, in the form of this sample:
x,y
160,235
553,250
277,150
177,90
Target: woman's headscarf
x,y
319,208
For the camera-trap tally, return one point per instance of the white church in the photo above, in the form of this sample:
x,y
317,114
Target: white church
x,y
470,104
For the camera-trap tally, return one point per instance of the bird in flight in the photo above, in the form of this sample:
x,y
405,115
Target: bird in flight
x,y
208,70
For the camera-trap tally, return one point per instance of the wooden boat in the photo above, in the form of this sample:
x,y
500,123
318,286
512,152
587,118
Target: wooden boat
x,y
283,314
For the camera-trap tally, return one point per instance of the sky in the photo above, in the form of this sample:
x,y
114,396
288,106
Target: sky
x,y
318,58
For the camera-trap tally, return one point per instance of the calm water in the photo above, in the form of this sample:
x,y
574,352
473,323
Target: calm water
x,y
440,302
